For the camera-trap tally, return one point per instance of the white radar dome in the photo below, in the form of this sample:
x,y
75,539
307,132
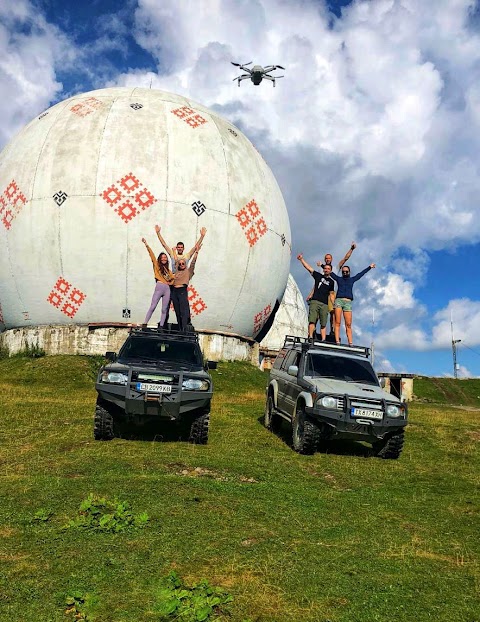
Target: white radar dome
x,y
82,184
291,318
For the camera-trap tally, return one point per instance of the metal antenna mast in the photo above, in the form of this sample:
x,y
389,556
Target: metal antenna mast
x,y
454,350
372,345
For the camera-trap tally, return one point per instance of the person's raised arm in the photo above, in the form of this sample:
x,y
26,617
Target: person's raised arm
x,y
191,265
150,252
360,274
162,241
348,254
198,243
304,263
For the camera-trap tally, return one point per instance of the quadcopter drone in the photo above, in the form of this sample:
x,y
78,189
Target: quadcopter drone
x,y
257,73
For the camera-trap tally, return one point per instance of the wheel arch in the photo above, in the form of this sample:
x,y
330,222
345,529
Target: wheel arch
x,y
273,391
305,398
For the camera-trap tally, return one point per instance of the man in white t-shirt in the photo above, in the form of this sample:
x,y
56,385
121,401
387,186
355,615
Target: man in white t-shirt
x,y
177,252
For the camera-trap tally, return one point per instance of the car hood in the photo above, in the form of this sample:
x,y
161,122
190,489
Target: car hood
x,y
157,366
353,389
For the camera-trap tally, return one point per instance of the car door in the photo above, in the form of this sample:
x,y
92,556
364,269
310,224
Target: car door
x,y
283,379
291,388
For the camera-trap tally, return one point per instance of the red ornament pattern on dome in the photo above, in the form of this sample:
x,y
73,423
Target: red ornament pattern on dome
x,y
66,298
197,304
86,107
252,222
260,318
12,200
128,197
187,114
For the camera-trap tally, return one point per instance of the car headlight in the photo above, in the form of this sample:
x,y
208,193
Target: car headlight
x,y
394,411
114,377
195,384
328,401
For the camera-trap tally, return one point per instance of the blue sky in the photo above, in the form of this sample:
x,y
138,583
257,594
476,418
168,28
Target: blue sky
x,y
373,134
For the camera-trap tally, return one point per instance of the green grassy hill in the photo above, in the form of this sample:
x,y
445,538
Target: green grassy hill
x,y
447,391
339,536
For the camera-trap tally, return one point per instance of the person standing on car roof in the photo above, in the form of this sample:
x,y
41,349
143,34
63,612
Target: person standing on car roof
x,y
344,299
176,254
323,291
328,261
179,288
163,280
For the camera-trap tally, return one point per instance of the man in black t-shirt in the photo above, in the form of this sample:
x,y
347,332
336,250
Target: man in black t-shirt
x,y
323,290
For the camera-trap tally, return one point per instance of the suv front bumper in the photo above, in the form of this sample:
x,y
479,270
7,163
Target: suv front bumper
x,y
165,405
342,425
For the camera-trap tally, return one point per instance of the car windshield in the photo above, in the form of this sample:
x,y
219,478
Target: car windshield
x,y
340,368
156,350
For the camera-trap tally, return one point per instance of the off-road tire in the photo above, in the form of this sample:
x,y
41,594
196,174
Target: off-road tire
x,y
271,420
103,424
391,447
199,429
305,434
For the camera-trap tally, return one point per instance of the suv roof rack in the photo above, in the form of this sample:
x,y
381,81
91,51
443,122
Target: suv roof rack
x,y
306,344
173,335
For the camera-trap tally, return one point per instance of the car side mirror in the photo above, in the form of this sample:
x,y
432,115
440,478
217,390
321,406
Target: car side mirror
x,y
383,383
212,364
111,356
293,370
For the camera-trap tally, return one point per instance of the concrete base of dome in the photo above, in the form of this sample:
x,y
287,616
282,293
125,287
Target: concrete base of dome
x,y
98,339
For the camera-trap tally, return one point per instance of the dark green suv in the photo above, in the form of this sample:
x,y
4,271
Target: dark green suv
x,y
156,375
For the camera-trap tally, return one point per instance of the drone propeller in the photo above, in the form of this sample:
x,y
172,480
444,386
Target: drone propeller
x,y
280,67
241,64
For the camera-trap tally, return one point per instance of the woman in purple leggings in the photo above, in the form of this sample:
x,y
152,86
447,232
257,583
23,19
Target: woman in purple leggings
x,y
163,280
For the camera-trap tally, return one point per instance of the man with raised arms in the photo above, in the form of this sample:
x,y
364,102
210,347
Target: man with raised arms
x,y
323,291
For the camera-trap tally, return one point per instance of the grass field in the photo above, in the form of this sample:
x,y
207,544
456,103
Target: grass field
x,y
338,536
448,391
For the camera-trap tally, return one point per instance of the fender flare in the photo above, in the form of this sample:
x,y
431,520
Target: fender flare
x,y
305,397
273,388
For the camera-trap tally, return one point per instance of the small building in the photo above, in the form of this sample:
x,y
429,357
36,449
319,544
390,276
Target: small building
x,y
400,385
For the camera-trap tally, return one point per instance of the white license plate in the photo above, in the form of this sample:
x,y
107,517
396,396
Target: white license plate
x,y
368,414
154,388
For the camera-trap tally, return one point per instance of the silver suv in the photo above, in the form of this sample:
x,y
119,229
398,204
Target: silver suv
x,y
327,391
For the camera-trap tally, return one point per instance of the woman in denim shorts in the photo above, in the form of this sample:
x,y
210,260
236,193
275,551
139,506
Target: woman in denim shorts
x,y
344,299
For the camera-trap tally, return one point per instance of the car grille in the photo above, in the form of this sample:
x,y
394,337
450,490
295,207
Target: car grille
x,y
168,379
366,403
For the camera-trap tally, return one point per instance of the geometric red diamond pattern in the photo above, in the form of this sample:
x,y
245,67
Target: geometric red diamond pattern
x,y
128,196
252,222
197,305
188,115
65,297
11,202
82,109
260,318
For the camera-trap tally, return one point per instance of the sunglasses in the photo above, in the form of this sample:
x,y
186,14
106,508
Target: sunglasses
x,y
345,271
